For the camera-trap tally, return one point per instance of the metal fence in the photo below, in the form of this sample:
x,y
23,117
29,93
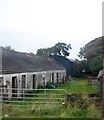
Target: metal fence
x,y
26,97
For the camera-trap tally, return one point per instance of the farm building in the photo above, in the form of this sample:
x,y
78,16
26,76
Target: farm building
x,y
24,71
67,63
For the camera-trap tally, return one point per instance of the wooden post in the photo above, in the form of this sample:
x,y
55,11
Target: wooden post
x,y
103,93
103,60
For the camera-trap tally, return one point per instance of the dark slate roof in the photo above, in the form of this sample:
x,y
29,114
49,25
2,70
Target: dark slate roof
x,y
67,63
17,62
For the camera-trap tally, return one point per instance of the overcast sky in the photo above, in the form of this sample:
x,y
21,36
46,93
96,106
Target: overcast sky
x,y
28,25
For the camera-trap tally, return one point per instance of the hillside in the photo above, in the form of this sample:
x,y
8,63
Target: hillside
x,y
95,47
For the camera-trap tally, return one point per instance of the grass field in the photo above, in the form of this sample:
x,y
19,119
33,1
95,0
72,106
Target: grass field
x,y
83,108
78,86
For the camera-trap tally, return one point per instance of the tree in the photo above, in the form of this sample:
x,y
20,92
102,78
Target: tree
x,y
31,53
80,68
62,49
59,49
40,52
9,48
76,68
95,64
92,51
81,54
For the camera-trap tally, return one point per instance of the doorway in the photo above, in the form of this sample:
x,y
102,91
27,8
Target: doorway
x,y
57,77
34,81
23,82
1,86
14,86
52,77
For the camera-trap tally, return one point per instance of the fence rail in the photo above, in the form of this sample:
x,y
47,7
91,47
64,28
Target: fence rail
x,y
25,97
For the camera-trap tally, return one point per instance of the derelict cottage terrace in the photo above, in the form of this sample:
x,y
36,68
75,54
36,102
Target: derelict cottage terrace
x,y
25,71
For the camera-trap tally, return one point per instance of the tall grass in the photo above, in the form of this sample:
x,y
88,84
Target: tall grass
x,y
53,111
80,108
78,86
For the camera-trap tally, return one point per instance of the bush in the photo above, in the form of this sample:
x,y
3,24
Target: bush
x,y
80,68
96,64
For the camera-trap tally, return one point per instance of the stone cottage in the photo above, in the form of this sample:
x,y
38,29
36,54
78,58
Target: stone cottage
x,y
24,71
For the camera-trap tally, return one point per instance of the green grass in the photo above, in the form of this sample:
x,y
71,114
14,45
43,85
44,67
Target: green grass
x,y
78,86
74,109
53,111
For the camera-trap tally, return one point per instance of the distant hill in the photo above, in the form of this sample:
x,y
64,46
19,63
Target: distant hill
x,y
95,47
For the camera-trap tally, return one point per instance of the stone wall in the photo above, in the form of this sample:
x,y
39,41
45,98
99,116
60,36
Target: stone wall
x,y
28,83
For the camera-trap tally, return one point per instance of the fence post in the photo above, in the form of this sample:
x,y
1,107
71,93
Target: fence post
x,y
24,96
45,96
1,104
103,92
103,60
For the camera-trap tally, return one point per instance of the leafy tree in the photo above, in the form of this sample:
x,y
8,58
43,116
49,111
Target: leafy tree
x,y
40,52
76,68
9,48
81,54
59,49
44,51
31,53
80,68
96,64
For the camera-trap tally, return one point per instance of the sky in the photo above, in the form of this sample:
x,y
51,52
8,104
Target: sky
x,y
27,25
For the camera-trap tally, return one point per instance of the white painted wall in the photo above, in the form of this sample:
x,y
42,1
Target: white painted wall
x,y
7,78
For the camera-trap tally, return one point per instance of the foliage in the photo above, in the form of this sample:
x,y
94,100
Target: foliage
x,y
9,48
80,68
81,54
43,51
77,86
31,53
77,68
96,64
53,111
81,108
94,60
59,49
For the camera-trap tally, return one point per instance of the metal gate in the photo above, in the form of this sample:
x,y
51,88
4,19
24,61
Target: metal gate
x,y
26,97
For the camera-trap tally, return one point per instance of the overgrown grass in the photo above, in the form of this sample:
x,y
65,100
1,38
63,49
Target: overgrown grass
x,y
69,109
53,111
78,86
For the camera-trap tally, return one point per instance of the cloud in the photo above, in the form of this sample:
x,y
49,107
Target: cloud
x,y
31,24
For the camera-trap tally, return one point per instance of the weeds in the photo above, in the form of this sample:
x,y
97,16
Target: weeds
x,y
78,106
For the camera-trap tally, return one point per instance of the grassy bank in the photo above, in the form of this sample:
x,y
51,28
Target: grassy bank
x,y
78,86
80,108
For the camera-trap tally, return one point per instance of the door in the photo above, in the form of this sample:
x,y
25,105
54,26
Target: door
x,y
14,86
1,86
52,77
44,81
57,77
23,82
34,81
